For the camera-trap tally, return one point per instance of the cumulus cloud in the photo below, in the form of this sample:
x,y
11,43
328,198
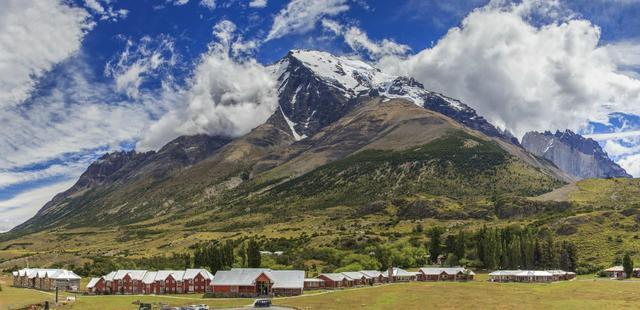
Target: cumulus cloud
x,y
34,36
359,41
526,66
258,3
229,94
300,16
141,61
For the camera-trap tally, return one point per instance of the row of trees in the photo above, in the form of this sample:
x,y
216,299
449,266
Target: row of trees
x,y
503,248
217,256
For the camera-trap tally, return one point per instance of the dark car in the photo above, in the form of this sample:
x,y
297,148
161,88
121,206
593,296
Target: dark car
x,y
145,307
262,303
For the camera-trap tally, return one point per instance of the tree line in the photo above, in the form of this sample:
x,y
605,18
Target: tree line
x,y
512,247
220,256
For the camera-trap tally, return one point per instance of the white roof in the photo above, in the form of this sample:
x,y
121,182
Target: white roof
x,y
373,273
149,277
450,271
237,276
397,272
287,278
192,273
15,273
505,272
334,276
247,276
49,273
93,282
162,275
356,275
110,276
134,274
533,273
313,280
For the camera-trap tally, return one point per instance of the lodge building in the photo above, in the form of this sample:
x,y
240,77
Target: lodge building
x,y
444,274
129,282
46,279
531,276
256,282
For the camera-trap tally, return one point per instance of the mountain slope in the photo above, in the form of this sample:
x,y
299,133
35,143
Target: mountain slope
x,y
579,157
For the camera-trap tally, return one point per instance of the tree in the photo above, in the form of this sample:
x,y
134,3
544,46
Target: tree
x,y
568,259
460,245
435,244
627,265
253,254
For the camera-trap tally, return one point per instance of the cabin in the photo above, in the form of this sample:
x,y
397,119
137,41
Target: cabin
x,y
533,276
257,282
503,275
313,283
401,275
376,276
561,275
445,274
618,272
358,278
335,280
46,279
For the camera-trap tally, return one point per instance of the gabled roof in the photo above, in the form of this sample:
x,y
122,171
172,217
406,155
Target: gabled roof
x,y
286,278
449,270
397,272
192,273
313,280
373,273
505,272
334,276
92,283
149,277
533,273
237,276
15,273
110,276
355,275
48,273
134,274
162,275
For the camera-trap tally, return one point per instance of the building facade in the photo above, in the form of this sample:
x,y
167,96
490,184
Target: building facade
x,y
46,279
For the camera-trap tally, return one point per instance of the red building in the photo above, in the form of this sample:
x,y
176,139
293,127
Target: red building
x,y
254,282
152,282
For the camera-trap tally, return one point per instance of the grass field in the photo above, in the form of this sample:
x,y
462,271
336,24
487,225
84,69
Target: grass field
x,y
583,293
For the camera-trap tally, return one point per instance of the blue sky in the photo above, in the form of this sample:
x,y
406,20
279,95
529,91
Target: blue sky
x,y
85,77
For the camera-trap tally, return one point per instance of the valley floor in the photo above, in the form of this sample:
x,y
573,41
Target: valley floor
x,y
583,293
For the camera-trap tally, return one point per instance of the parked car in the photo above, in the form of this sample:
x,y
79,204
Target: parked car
x,y
200,307
145,306
262,303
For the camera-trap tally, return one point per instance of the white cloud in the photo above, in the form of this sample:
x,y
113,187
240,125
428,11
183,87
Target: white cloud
x,y
67,170
105,12
301,16
180,2
139,62
359,41
631,164
21,207
226,96
209,4
552,75
34,36
258,3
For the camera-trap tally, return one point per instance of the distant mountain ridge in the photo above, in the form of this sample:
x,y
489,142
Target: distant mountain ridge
x,y
578,156
330,108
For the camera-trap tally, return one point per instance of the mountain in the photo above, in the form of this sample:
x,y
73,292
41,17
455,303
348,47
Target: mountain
x,y
345,139
578,156
317,88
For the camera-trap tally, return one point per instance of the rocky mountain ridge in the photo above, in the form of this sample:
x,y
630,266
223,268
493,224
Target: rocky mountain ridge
x,y
580,157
